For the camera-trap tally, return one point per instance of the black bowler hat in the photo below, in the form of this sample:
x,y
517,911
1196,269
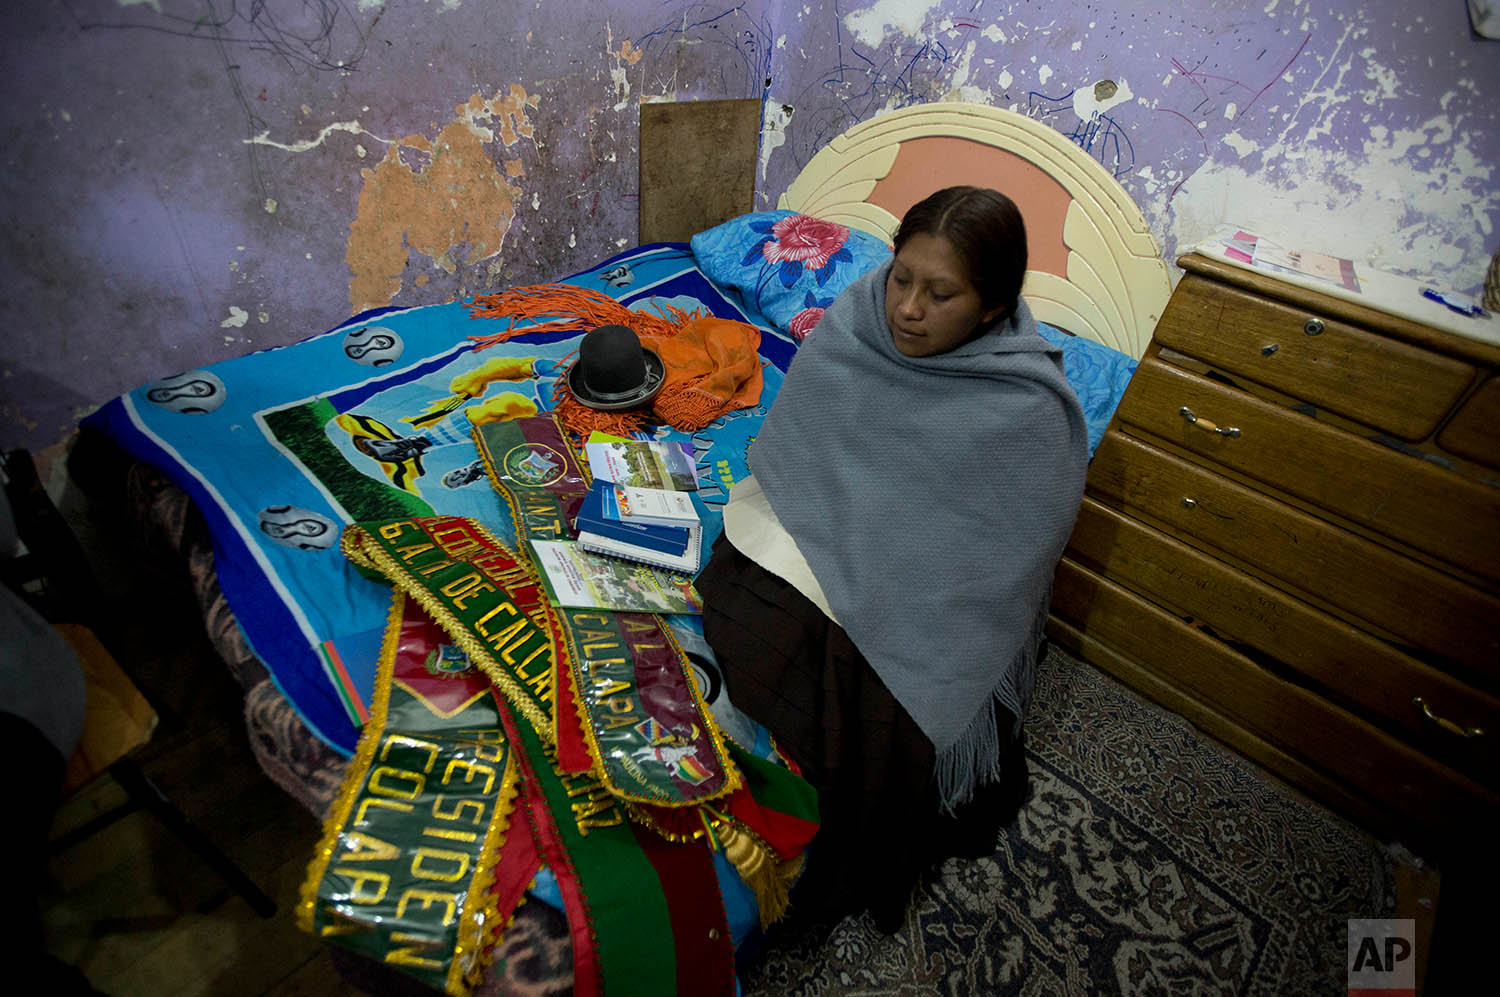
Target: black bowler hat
x,y
614,371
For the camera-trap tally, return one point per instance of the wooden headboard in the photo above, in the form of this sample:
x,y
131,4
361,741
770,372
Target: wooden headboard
x,y
1095,269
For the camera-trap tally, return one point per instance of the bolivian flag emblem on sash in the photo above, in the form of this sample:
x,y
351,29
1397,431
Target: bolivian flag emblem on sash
x,y
692,770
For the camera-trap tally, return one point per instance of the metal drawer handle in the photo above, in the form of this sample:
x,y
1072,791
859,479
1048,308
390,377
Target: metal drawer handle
x,y
1313,327
1187,414
1444,722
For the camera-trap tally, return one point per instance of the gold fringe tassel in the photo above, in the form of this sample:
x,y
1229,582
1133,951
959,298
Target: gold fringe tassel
x,y
770,879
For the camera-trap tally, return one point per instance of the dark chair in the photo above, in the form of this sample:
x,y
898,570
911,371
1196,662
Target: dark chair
x,y
54,575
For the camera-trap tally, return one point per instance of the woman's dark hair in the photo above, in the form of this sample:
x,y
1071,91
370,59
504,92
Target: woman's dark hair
x,y
985,229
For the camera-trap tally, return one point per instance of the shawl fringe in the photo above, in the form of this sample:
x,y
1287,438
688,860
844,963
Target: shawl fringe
x,y
974,759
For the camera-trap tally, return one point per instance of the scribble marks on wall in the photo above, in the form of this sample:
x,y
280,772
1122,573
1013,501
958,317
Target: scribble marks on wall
x,y
310,34
725,47
1089,128
450,198
321,36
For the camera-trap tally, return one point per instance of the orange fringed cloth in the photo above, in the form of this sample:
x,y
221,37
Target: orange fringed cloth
x,y
712,366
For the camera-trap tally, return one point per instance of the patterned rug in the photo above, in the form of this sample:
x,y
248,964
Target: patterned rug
x,y
1148,860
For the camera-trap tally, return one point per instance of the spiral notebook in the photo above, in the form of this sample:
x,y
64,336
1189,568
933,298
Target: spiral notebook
x,y
687,562
577,578
597,515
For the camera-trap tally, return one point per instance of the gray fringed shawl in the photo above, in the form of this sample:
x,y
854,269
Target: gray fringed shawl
x,y
932,498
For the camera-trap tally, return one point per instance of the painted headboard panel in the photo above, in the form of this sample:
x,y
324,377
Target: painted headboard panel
x,y
1095,269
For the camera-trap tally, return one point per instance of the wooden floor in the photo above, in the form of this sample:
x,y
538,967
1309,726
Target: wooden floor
x,y
130,906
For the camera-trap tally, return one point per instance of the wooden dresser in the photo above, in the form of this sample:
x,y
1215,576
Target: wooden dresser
x,y
1291,536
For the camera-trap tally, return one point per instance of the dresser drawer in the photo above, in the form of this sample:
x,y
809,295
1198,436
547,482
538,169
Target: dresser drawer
x,y
1359,669
1380,382
1282,713
1474,431
1397,495
1418,603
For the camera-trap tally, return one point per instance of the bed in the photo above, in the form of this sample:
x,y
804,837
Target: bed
x,y
253,467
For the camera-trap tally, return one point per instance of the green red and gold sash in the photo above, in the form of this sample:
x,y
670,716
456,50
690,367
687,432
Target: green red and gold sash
x,y
649,735
648,732
405,871
450,807
508,734
488,601
643,913
533,468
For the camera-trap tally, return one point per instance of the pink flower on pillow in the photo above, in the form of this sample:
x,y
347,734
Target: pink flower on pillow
x,y
804,239
802,323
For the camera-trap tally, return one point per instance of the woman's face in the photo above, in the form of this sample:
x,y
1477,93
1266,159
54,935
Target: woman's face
x,y
930,305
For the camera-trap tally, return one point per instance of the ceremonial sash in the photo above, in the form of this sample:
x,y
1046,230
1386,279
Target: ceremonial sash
x,y
647,731
637,912
649,914
596,720
536,472
405,871
489,603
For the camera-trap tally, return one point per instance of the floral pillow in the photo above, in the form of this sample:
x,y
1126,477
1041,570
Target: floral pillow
x,y
787,265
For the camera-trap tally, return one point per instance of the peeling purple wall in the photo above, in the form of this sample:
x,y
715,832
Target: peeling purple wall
x,y
187,180
1367,130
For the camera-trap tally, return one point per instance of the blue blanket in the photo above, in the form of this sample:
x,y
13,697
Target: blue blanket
x,y
282,448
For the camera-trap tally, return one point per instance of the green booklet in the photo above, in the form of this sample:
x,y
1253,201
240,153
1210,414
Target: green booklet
x,y
577,578
641,463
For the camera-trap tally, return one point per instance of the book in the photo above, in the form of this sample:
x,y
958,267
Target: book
x,y
641,463
688,562
577,578
599,515
652,507
1261,253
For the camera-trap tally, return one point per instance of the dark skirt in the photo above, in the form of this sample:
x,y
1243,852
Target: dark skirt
x,y
790,667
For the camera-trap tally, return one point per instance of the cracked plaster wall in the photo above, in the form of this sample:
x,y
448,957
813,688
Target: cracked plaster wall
x,y
1367,130
187,181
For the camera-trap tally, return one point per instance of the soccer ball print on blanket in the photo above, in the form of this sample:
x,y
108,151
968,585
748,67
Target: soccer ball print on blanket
x,y
281,449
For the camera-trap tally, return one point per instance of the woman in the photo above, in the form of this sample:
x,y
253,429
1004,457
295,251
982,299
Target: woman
x,y
878,597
